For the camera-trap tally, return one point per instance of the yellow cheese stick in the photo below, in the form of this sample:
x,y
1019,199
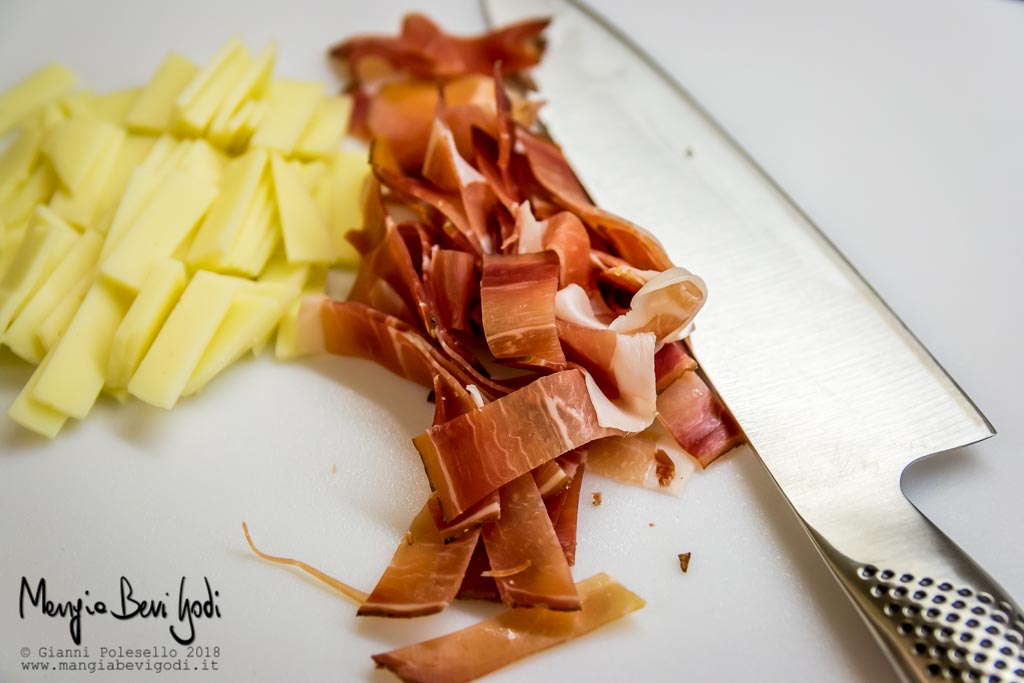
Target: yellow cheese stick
x,y
74,147
221,227
17,162
168,218
141,187
78,363
258,227
20,337
36,190
339,197
114,106
136,333
51,330
325,131
80,208
253,82
254,311
41,87
47,241
291,107
153,110
306,239
198,103
180,344
33,415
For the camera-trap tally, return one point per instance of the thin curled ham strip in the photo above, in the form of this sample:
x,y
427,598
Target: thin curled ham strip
x,y
474,454
424,574
523,533
517,294
424,51
695,416
512,635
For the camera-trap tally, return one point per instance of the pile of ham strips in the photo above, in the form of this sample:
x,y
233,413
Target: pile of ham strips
x,y
549,332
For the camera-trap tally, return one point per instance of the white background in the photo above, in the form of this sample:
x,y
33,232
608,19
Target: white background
x,y
896,125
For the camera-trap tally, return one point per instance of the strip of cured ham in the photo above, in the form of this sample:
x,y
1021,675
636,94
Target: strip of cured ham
x,y
424,574
523,536
474,454
697,419
512,635
517,300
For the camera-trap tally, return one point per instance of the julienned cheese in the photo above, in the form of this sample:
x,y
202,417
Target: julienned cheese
x,y
184,337
149,237
78,363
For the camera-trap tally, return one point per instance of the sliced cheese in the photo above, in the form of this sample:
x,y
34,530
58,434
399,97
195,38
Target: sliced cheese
x,y
20,337
171,214
253,314
17,162
180,344
114,106
35,91
53,328
199,101
142,186
45,244
33,415
160,291
78,363
306,239
36,190
74,146
339,195
221,227
81,207
225,125
258,227
152,112
291,107
324,133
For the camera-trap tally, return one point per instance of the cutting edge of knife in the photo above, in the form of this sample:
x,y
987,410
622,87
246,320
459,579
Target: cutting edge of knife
x,y
626,40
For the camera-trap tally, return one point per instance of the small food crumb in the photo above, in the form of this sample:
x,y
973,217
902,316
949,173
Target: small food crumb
x,y
597,499
334,469
650,523
684,561
689,151
407,537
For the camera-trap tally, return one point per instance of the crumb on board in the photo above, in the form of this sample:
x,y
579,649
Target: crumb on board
x,y
597,499
684,561
334,469
689,151
650,523
407,537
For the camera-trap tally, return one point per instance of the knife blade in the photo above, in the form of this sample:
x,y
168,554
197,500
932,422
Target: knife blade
x,y
834,393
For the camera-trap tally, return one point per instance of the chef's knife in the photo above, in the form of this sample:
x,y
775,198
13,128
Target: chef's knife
x,y
833,392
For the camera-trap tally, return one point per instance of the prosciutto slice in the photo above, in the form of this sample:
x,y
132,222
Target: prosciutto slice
x,y
474,454
695,416
517,301
450,281
510,636
479,513
671,362
524,537
563,507
553,172
424,574
423,50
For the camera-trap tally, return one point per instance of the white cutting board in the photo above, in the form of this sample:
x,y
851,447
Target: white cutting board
x,y
895,125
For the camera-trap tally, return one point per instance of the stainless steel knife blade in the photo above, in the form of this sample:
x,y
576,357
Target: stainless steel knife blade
x,y
834,393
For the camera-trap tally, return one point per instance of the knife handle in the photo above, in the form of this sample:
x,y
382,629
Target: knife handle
x,y
944,618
